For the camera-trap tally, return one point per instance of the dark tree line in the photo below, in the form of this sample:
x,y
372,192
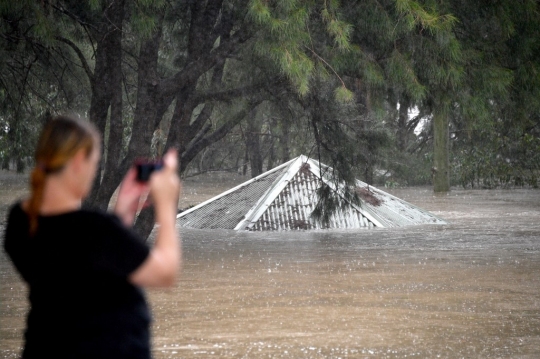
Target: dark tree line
x,y
246,85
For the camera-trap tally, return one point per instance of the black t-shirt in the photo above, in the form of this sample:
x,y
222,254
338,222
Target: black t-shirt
x,y
81,303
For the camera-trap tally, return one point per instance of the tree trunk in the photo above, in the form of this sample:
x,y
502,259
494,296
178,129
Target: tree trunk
x,y
441,140
284,140
154,95
402,133
145,222
253,143
183,131
202,56
114,141
272,144
21,167
363,105
106,84
245,165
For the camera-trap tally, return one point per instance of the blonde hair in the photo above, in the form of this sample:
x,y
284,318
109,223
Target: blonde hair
x,y
61,138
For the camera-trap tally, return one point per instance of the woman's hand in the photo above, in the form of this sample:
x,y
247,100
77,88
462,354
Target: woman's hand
x,y
165,186
129,198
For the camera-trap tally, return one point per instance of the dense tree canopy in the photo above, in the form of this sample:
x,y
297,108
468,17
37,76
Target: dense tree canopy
x,y
245,85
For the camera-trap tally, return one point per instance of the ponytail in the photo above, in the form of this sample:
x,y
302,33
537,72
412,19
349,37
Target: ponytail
x,y
37,184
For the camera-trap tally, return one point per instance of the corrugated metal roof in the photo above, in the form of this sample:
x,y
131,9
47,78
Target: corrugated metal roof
x,y
284,198
226,211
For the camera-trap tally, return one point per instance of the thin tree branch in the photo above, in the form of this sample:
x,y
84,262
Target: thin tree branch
x,y
72,16
327,64
79,53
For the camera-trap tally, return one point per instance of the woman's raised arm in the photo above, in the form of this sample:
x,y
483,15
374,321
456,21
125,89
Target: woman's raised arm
x,y
162,266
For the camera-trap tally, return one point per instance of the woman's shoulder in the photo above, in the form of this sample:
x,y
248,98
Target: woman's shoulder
x,y
19,209
93,214
16,206
103,222
90,220
16,210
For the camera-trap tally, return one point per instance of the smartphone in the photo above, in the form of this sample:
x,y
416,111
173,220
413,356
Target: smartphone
x,y
145,167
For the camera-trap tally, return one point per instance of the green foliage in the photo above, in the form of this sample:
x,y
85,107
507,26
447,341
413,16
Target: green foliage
x,y
343,95
15,135
417,15
95,5
404,169
331,74
329,202
36,75
287,36
502,161
400,72
284,26
341,31
143,18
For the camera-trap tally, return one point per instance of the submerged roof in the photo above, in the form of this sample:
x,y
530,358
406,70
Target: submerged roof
x,y
284,198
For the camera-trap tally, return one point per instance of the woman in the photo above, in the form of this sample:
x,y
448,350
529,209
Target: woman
x,y
84,268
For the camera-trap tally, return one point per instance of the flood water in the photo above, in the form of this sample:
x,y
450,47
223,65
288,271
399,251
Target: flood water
x,y
469,289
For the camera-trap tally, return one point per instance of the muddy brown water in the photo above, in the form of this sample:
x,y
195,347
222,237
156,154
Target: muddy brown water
x,y
469,289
